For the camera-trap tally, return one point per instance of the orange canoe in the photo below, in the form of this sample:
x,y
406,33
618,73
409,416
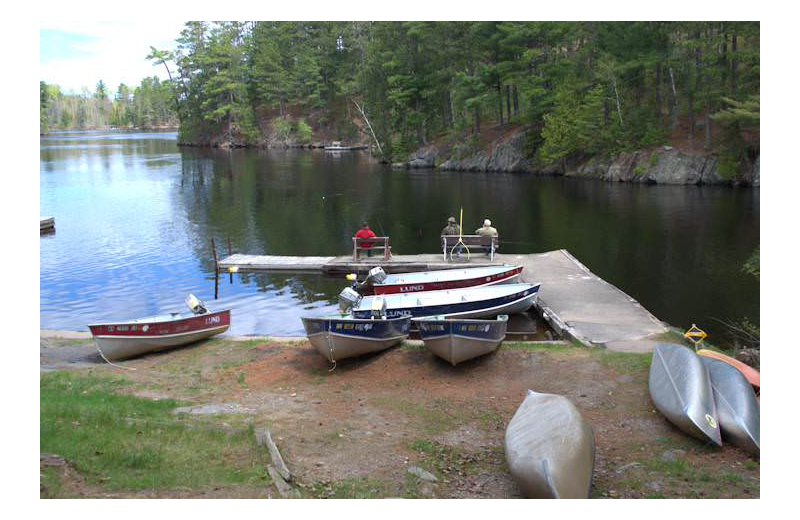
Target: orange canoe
x,y
752,375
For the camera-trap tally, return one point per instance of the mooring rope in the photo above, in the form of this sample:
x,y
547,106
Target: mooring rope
x,y
109,362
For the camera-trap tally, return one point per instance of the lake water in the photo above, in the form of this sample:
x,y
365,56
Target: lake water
x,y
135,215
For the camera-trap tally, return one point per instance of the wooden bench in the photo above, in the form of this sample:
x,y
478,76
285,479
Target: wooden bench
x,y
490,244
379,243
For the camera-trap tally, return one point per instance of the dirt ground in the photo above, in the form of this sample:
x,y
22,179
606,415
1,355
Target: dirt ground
x,y
356,429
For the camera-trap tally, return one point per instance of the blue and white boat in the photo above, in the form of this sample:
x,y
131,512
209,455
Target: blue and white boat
x,y
339,337
474,302
459,340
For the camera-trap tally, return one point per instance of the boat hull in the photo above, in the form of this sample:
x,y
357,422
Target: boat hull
x,y
752,375
737,407
133,338
680,387
460,340
447,279
478,302
337,338
550,448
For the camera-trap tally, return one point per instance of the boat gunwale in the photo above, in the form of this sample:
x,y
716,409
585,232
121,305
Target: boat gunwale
x,y
141,322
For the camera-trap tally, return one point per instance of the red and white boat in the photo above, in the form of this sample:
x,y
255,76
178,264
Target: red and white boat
x,y
125,339
444,279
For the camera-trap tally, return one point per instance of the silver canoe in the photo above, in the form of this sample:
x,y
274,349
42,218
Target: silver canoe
x,y
459,340
340,337
550,448
680,387
737,406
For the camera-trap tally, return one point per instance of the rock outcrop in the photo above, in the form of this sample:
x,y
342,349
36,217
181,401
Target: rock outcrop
x,y
665,165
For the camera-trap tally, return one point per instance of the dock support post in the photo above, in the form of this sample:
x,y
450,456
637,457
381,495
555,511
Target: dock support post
x,y
216,268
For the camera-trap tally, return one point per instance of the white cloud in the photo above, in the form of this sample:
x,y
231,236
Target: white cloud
x,y
116,55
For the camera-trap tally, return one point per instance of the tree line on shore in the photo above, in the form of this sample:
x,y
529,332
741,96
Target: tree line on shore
x,y
149,105
581,88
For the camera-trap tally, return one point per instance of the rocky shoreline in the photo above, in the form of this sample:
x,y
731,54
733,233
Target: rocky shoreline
x,y
663,165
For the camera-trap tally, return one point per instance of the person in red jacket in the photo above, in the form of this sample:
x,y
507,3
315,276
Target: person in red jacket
x,y
366,232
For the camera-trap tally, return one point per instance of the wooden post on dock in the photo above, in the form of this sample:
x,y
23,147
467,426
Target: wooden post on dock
x,y
216,268
230,254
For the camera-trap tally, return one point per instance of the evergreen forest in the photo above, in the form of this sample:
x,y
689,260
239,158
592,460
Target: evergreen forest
x,y
581,89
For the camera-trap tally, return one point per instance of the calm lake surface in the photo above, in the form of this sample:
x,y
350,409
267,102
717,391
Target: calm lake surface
x,y
135,215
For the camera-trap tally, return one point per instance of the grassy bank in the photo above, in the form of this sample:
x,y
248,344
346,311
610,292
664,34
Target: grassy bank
x,y
125,442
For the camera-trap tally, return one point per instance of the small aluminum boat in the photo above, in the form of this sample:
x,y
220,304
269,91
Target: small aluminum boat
x,y
340,337
737,406
441,279
550,448
46,224
680,387
458,340
752,375
474,302
124,339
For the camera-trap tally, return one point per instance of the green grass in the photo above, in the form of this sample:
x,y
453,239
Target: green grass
x,y
624,362
536,346
129,442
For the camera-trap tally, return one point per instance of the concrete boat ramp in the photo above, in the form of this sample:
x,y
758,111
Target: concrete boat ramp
x,y
575,302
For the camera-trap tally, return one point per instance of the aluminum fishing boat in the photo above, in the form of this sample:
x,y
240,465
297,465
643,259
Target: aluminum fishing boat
x,y
680,387
737,407
124,339
550,448
458,340
46,224
340,337
439,280
475,302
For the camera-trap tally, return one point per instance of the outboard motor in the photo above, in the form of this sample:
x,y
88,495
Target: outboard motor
x,y
376,275
378,308
195,304
348,298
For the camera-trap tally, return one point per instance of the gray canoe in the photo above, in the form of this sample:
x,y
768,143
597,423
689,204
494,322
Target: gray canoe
x,y
680,387
550,448
737,406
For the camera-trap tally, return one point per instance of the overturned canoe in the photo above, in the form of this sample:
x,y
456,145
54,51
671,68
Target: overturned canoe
x,y
550,448
680,387
737,407
458,340
752,375
340,337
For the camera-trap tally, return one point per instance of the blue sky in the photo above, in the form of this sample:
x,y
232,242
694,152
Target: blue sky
x,y
78,54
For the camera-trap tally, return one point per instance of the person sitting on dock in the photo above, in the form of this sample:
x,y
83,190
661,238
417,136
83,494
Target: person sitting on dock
x,y
453,229
366,232
486,231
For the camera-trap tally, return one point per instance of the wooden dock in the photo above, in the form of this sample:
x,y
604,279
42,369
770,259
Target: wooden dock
x,y
47,224
576,303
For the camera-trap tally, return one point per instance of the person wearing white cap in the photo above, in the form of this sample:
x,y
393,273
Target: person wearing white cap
x,y
487,230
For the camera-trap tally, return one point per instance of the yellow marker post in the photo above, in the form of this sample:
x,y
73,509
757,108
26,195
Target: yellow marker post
x,y
695,335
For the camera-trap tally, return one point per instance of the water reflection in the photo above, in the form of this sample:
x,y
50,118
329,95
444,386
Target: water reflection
x,y
136,217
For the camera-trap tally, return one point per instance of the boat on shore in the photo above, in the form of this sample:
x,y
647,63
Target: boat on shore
x,y
680,387
474,302
550,448
439,280
124,339
336,146
342,336
752,375
737,406
459,340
